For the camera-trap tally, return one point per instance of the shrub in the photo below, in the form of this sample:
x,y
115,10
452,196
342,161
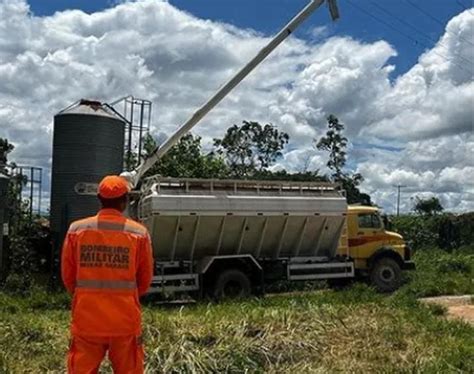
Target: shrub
x,y
22,265
447,231
418,231
456,265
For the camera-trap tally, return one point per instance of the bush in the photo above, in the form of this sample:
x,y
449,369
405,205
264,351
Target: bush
x,y
22,265
464,229
455,265
17,284
28,250
447,231
418,231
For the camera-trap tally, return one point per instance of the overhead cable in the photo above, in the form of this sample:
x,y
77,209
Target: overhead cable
x,y
408,36
417,30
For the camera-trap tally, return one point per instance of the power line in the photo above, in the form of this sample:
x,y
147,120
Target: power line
x,y
426,13
382,21
417,42
405,34
462,5
417,30
435,19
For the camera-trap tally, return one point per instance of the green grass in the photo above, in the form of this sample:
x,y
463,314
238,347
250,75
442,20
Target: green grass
x,y
442,273
321,331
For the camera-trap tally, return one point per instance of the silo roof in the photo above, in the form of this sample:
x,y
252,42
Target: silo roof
x,y
88,107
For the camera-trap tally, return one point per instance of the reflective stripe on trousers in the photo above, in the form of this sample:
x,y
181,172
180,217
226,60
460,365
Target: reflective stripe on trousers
x,y
110,284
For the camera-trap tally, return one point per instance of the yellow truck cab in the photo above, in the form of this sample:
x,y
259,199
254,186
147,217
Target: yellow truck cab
x,y
377,252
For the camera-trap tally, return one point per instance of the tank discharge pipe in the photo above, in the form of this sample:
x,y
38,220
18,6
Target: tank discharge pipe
x,y
135,175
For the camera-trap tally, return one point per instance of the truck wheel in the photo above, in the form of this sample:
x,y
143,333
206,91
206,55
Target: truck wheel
x,y
386,275
232,284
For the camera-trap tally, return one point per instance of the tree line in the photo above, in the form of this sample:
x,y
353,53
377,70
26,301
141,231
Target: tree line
x,y
249,150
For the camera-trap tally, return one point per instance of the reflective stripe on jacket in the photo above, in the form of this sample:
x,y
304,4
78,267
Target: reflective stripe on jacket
x,y
107,264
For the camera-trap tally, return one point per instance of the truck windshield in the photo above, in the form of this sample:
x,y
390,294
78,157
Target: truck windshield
x,y
369,221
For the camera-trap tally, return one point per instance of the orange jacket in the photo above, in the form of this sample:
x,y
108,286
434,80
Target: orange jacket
x,y
107,263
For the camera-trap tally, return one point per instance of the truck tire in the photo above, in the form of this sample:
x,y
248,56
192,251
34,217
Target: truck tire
x,y
232,284
386,275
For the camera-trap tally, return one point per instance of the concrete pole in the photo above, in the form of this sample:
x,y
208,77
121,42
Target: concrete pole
x,y
399,187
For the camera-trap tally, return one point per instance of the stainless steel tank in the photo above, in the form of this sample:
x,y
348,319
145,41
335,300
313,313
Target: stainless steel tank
x,y
191,219
88,143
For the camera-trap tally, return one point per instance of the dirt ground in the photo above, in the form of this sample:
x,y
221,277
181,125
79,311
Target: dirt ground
x,y
460,307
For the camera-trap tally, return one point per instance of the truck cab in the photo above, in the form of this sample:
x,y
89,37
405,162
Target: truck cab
x,y
377,252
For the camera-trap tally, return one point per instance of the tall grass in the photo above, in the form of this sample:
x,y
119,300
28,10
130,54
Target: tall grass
x,y
321,331
442,273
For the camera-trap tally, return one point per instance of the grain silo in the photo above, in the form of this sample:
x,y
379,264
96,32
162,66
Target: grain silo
x,y
88,144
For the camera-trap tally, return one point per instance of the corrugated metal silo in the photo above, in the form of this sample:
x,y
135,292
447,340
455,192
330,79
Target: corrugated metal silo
x,y
88,144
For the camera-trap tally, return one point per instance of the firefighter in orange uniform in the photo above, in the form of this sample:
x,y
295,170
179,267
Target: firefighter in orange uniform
x,y
107,264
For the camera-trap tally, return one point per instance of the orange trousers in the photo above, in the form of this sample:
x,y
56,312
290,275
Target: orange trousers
x,y
86,354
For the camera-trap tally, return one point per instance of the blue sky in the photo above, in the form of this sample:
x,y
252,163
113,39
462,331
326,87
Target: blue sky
x,y
409,29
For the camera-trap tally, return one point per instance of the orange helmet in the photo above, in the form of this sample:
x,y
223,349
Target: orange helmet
x,y
113,186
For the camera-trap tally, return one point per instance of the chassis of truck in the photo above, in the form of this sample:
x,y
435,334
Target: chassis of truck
x,y
225,238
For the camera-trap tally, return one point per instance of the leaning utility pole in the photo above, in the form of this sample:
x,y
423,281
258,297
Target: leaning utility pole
x,y
399,187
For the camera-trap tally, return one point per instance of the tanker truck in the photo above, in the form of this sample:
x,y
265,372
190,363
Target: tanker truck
x,y
231,238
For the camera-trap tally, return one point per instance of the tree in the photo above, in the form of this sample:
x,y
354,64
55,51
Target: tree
x,y
250,148
186,160
336,143
16,183
5,149
130,160
350,184
428,207
23,230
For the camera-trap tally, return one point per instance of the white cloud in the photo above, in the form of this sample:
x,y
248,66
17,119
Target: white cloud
x,y
302,160
436,96
443,167
319,32
152,50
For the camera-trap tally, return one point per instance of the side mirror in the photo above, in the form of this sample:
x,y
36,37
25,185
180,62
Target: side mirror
x,y
386,222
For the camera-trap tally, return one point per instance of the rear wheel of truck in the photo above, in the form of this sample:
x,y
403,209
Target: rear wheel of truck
x,y
232,284
386,275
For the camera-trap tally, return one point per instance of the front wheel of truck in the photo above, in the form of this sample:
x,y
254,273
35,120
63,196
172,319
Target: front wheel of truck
x,y
386,275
